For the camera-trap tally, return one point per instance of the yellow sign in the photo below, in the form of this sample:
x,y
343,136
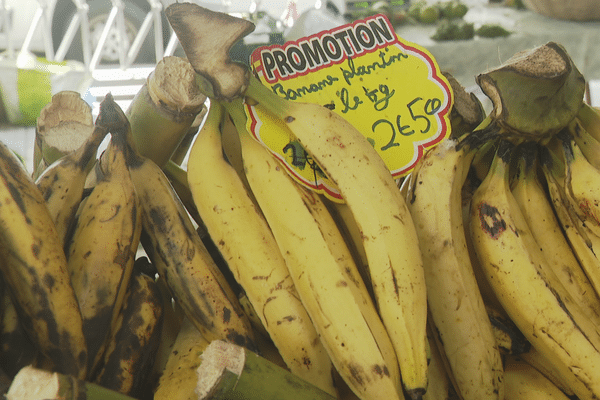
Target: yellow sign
x,y
391,90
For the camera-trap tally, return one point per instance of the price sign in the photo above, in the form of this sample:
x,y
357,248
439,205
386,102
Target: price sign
x,y
391,90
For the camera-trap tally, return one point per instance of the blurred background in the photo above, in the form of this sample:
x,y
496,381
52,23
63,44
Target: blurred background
x,y
100,46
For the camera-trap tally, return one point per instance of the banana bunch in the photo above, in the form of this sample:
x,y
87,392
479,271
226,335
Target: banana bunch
x,y
507,218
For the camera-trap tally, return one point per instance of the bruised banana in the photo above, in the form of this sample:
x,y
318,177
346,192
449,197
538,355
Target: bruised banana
x,y
244,238
533,298
178,253
34,268
134,340
455,303
389,236
323,287
545,227
62,183
104,243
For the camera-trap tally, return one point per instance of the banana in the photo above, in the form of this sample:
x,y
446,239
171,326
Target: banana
x,y
455,303
105,239
565,380
439,381
134,339
533,298
589,146
388,232
178,379
177,252
509,338
548,234
328,297
62,183
589,117
572,226
34,268
243,237
16,349
523,382
581,184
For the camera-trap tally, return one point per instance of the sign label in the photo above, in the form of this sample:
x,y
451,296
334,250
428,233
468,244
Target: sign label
x,y
391,90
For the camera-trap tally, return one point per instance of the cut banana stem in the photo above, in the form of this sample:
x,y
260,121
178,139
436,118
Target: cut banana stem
x,y
163,111
535,93
37,384
228,371
62,127
241,233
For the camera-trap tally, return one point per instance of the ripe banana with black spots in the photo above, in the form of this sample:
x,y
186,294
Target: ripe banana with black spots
x,y
105,239
455,303
546,229
177,252
533,298
389,237
34,268
134,339
243,237
328,297
62,183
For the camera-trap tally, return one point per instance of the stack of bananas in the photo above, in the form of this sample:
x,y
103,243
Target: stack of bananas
x,y
476,277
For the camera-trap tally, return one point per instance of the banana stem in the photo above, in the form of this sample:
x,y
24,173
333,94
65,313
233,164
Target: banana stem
x,y
229,371
165,108
32,383
62,127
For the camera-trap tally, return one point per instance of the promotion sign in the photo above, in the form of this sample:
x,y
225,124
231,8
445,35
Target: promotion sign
x,y
391,90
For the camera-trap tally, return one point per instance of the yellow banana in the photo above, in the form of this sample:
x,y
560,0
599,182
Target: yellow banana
x,y
388,232
179,378
439,381
523,382
62,183
134,340
455,303
548,233
179,255
589,117
564,379
34,268
581,184
105,239
322,285
533,298
244,238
